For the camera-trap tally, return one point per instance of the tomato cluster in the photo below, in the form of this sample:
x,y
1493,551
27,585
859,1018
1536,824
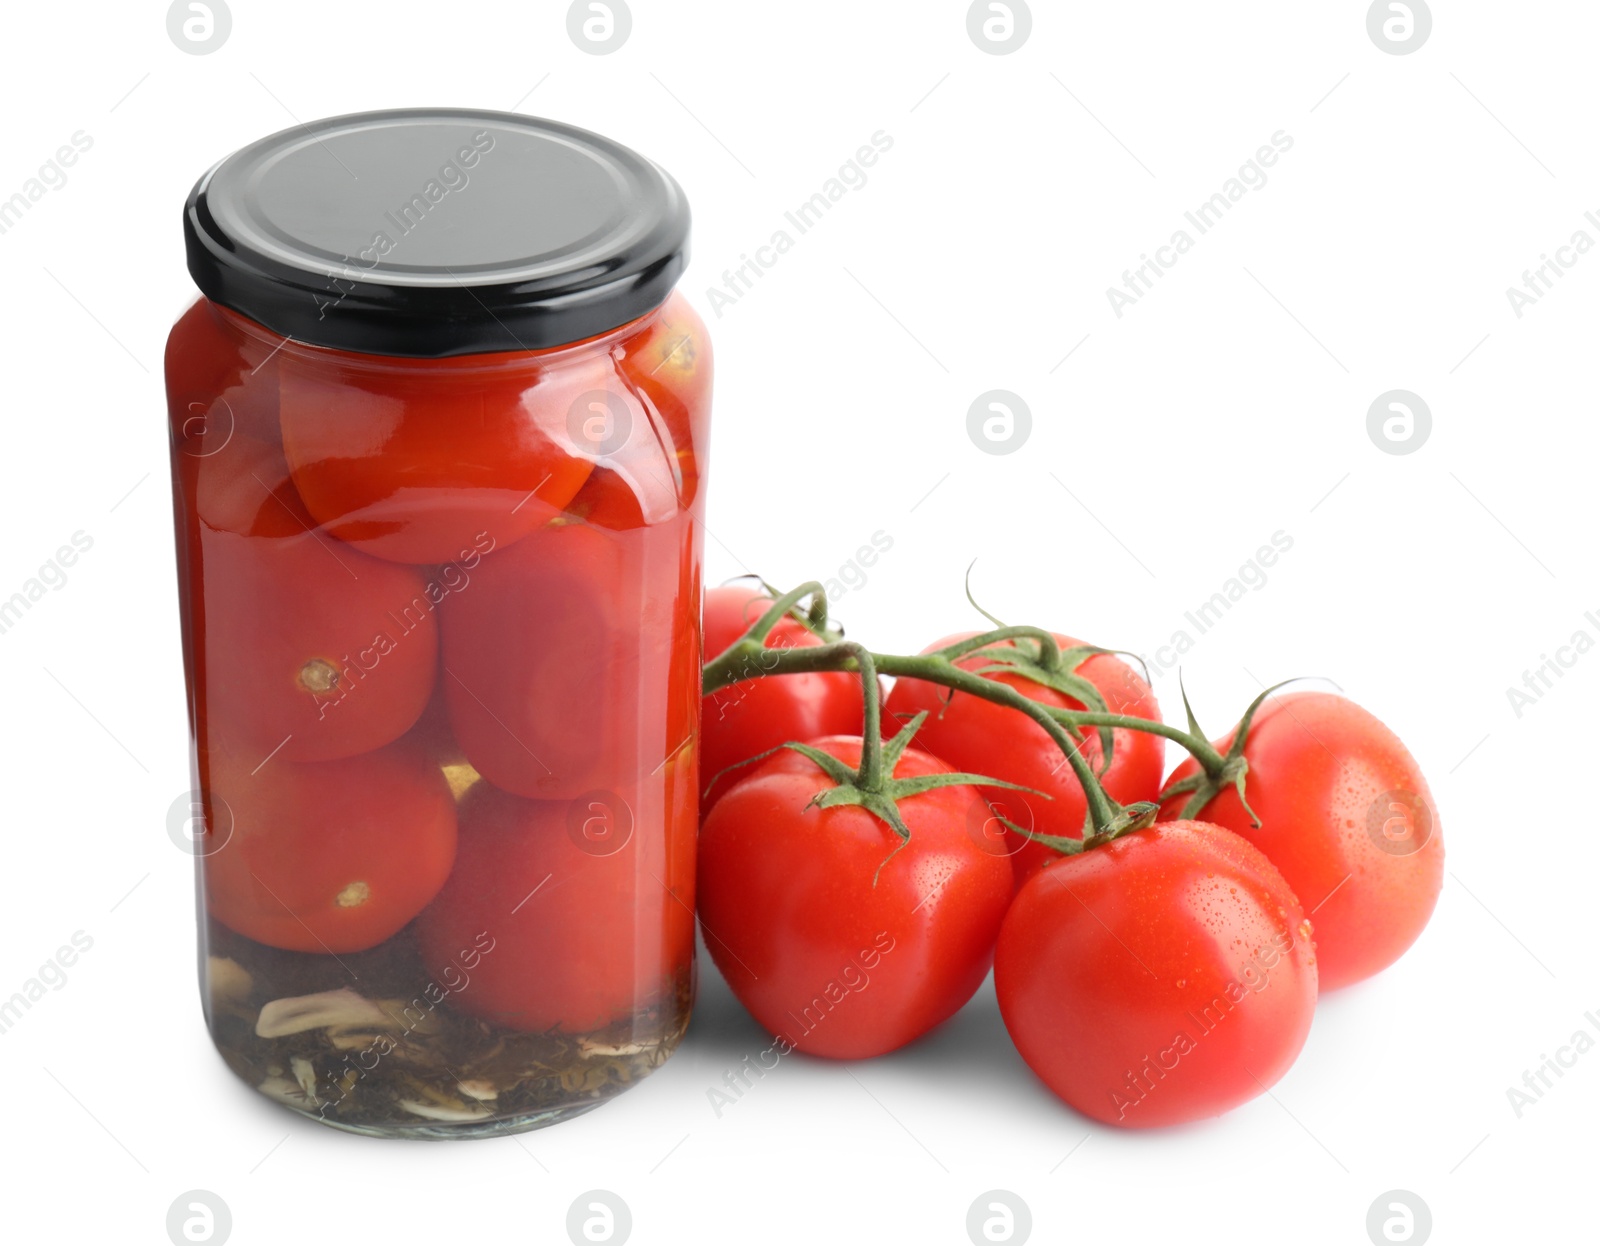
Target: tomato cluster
x,y
1152,942
441,630
986,738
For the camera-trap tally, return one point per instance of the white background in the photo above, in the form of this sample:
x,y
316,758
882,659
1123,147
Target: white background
x,y
1230,403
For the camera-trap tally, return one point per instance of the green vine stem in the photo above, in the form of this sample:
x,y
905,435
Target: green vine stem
x,y
1201,748
1044,663
873,785
1038,657
749,657
1219,771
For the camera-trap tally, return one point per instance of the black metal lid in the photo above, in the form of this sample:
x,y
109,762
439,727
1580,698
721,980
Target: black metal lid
x,y
433,232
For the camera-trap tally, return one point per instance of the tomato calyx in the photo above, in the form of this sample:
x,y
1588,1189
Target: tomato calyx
x,y
874,787
1036,656
1138,816
1218,771
749,653
1129,818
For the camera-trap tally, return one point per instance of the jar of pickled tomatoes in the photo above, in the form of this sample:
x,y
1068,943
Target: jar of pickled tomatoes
x,y
438,428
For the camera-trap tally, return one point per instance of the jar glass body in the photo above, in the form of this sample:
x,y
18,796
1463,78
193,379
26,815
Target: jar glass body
x,y
441,636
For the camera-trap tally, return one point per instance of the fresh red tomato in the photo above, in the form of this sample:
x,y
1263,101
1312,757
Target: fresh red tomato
x,y
745,719
415,459
331,856
308,648
589,904
1166,976
981,737
553,689
831,962
1347,816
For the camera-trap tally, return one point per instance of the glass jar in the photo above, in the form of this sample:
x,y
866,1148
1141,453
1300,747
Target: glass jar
x,y
438,433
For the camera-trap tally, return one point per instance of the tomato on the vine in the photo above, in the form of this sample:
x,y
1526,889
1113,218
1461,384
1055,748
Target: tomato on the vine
x,y
585,901
980,736
1162,977
1346,816
833,944
746,719
331,856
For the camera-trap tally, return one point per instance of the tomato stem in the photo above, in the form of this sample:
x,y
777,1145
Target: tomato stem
x,y
748,656
785,604
935,668
1028,652
871,775
872,785
1222,771
1049,655
1202,749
